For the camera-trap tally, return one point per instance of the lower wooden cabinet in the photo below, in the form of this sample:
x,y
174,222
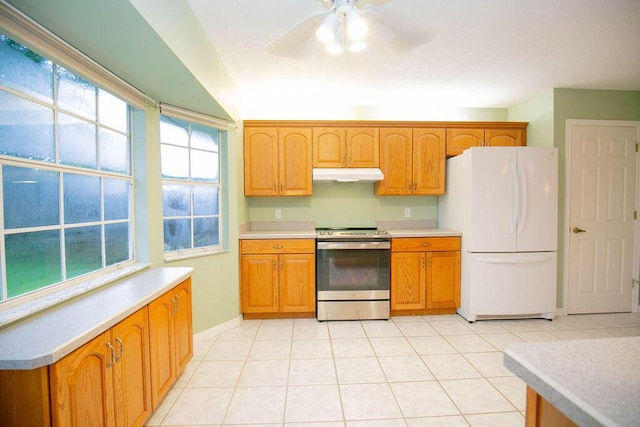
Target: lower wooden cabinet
x,y
113,379
278,278
106,381
171,338
425,275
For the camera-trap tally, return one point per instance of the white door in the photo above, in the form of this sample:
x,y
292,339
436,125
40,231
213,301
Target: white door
x,y
538,194
601,218
492,208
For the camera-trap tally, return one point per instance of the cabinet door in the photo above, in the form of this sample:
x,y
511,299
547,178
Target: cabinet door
x,y
297,283
295,154
183,326
131,371
429,161
503,137
395,161
259,283
161,338
328,147
443,279
363,148
407,280
82,386
260,162
459,140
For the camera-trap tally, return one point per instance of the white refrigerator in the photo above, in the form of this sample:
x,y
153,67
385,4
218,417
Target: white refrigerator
x,y
504,200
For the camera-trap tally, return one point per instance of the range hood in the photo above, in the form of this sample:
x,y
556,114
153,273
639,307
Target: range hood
x,y
347,175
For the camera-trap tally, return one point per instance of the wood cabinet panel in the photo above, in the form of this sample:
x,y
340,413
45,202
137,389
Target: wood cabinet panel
x,y
363,148
443,279
504,137
417,244
429,161
24,398
277,276
170,338
297,283
132,375
259,283
425,275
277,246
459,140
329,149
107,381
261,162
82,385
407,290
395,161
295,161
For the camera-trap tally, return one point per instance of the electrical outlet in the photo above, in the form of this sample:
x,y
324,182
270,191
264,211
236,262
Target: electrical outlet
x,y
278,213
407,212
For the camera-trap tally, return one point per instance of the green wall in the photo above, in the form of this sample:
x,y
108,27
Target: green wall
x,y
588,105
547,114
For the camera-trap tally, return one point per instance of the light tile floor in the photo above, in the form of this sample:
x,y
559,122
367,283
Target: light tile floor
x,y
408,371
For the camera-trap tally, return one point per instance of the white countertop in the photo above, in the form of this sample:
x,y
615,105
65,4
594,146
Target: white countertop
x,y
278,234
311,234
594,382
46,337
423,232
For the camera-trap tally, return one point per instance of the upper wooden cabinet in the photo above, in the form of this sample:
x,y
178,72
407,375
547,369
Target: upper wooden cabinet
x,y
277,162
412,161
459,139
339,147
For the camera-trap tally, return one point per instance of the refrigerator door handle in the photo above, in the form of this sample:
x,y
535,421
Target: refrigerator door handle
x,y
516,199
522,219
520,260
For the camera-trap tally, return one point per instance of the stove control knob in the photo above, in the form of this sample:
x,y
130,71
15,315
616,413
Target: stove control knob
x,y
330,232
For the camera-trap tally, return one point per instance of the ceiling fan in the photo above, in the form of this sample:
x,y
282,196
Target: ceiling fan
x,y
344,26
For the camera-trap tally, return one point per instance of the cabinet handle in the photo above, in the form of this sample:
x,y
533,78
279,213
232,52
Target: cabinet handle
x,y
173,303
415,185
119,341
426,244
277,247
275,266
430,262
113,355
274,187
179,304
281,265
422,261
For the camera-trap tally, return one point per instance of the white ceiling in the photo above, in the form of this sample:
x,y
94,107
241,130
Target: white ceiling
x,y
464,53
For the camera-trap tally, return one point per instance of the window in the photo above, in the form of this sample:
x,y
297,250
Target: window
x,y
191,187
65,163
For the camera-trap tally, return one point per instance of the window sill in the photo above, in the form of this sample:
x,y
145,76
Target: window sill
x,y
14,310
181,255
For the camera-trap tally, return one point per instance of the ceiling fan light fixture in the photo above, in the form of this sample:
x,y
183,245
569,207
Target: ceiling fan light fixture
x,y
356,26
326,32
334,48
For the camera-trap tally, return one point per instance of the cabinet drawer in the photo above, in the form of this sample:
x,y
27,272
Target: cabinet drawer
x,y
425,244
278,246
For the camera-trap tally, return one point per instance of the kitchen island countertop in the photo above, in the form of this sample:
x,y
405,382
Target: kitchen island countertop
x,y
594,382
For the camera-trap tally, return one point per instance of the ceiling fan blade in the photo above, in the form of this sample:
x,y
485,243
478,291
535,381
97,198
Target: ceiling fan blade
x,y
297,35
392,38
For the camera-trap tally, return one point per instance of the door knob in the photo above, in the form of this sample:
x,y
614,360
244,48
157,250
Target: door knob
x,y
578,230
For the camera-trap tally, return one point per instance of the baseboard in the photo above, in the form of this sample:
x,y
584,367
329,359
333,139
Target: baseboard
x,y
211,333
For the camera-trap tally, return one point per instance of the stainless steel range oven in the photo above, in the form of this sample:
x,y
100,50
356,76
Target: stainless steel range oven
x,y
352,274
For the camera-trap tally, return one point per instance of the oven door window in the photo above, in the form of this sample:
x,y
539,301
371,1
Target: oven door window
x,y
353,270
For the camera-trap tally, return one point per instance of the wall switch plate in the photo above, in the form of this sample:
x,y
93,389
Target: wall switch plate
x,y
407,212
278,213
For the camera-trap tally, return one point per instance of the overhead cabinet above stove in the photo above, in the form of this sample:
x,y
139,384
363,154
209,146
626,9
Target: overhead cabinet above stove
x,y
281,158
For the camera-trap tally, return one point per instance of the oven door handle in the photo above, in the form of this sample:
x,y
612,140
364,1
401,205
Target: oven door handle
x,y
353,245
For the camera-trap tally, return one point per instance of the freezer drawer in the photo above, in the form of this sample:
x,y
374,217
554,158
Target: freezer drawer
x,y
511,285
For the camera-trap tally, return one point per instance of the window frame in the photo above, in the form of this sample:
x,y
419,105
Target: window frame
x,y
191,118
